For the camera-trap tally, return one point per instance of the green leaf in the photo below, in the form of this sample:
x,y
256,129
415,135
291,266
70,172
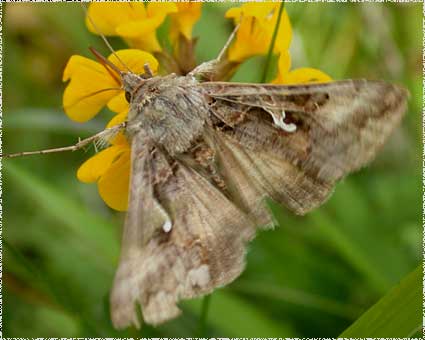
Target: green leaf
x,y
398,314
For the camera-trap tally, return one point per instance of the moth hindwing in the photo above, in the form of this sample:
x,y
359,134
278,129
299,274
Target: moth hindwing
x,y
204,157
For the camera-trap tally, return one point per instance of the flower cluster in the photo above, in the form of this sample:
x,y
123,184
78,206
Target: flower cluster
x,y
93,85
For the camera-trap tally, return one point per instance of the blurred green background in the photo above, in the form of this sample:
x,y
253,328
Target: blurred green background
x,y
312,276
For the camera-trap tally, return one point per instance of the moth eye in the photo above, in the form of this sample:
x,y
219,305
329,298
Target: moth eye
x,y
127,96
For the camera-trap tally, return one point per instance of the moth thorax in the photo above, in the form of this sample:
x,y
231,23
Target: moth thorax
x,y
172,114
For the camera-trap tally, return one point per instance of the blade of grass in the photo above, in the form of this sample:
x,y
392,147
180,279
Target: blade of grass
x,y
48,120
97,232
272,43
204,314
233,316
41,282
343,245
397,315
297,297
350,251
31,272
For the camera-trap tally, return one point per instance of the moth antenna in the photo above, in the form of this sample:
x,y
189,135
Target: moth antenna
x,y
230,39
105,62
208,67
104,39
228,42
105,134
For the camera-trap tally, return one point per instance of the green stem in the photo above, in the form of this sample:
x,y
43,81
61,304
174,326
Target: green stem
x,y
204,314
272,43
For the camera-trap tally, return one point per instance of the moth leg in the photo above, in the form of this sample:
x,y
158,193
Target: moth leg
x,y
100,139
279,120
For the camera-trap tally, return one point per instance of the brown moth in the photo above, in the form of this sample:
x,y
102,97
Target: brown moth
x,y
204,157
205,154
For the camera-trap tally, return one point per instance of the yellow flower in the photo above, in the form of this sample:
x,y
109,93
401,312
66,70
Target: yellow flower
x,y
84,96
182,22
135,22
110,168
299,75
93,85
257,23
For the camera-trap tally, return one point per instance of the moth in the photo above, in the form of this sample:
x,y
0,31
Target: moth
x,y
205,155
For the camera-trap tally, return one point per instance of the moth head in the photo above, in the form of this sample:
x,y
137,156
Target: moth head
x,y
128,79
131,81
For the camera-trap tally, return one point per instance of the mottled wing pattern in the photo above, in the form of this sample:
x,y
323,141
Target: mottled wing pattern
x,y
339,128
253,175
203,250
188,224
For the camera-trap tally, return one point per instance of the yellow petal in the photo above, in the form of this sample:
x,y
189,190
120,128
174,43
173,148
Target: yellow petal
x,y
251,39
284,35
234,12
117,119
135,60
87,91
306,75
135,29
147,43
118,103
297,76
256,29
182,22
132,21
107,16
91,86
260,9
284,64
114,183
161,9
119,139
93,168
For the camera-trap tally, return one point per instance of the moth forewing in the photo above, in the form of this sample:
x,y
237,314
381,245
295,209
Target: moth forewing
x,y
203,249
340,125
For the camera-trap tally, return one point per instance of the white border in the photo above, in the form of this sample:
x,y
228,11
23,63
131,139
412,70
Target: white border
x,y
288,1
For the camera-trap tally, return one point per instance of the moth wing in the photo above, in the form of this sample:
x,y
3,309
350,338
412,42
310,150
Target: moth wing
x,y
204,249
339,128
252,175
